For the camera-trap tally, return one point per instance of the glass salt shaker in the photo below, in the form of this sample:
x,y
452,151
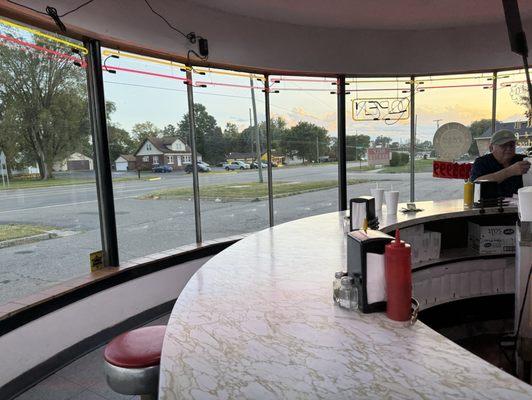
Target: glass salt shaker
x,y
348,296
336,284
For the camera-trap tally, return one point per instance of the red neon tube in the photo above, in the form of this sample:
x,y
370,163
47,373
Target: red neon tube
x,y
43,49
136,71
198,83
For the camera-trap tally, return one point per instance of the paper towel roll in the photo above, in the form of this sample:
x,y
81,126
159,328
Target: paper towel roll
x,y
525,203
376,284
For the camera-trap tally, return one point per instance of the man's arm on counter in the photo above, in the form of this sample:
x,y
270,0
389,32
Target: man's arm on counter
x,y
517,168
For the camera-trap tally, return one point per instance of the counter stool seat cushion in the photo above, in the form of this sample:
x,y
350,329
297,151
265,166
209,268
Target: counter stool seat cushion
x,y
139,348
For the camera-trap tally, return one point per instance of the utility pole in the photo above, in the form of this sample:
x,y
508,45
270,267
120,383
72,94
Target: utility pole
x,y
317,150
437,123
257,134
250,126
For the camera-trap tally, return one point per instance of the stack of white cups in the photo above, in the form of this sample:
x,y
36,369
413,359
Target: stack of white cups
x,y
378,194
392,198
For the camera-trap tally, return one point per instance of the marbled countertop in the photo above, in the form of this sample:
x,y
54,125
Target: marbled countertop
x,y
258,322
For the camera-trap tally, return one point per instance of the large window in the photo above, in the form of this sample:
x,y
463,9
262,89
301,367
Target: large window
x,y
48,210
231,139
378,135
512,97
304,133
147,121
466,99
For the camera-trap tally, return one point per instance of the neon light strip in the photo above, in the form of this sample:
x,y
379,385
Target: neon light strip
x,y
506,84
143,58
285,79
454,86
376,81
137,71
239,74
429,79
199,83
44,49
178,65
42,34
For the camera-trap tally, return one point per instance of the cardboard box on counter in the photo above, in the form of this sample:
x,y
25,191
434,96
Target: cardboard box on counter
x,y
491,239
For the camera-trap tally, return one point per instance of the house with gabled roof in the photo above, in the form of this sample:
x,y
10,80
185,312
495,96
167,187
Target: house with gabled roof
x,y
168,150
521,129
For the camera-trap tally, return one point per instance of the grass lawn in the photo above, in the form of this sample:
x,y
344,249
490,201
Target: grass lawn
x,y
419,166
248,191
15,231
37,183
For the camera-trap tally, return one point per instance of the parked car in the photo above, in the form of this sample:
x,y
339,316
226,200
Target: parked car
x,y
202,167
162,168
237,165
255,164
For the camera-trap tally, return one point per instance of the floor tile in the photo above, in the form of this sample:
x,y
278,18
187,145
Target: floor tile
x,y
106,392
87,395
54,387
87,370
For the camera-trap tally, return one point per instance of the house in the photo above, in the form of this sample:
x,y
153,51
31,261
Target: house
x,y
75,162
169,150
522,130
126,162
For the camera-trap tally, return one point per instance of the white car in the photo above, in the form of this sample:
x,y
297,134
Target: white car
x,y
237,165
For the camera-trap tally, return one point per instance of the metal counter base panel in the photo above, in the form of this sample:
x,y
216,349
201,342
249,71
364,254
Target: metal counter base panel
x,y
258,322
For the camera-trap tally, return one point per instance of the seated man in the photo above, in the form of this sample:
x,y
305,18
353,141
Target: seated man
x,y
502,164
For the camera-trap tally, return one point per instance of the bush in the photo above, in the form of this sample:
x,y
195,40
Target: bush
x,y
399,159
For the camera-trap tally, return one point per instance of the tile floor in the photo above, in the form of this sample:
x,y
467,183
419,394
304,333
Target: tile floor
x,y
83,379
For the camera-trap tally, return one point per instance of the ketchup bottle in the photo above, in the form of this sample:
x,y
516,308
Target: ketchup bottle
x,y
398,274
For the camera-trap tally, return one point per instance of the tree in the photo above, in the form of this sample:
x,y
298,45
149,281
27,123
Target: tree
x,y
143,130
306,140
44,99
119,142
382,140
209,136
169,130
356,146
477,128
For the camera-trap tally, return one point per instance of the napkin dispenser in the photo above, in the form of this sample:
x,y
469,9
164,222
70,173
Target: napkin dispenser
x,y
486,193
365,263
361,208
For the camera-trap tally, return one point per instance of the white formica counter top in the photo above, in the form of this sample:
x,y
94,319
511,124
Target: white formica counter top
x,y
258,322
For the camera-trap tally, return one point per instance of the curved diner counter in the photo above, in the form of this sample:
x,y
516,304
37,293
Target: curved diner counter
x,y
258,321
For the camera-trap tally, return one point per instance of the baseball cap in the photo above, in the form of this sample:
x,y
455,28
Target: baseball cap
x,y
502,136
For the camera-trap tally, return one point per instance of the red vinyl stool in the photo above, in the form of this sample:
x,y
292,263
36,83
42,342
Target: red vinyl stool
x,y
132,361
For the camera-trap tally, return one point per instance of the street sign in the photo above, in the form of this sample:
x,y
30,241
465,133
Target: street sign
x,y
379,156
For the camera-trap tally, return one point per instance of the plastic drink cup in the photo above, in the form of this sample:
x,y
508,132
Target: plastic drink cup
x,y
392,198
378,194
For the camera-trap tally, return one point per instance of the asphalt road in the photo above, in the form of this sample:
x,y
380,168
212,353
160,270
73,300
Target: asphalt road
x,y
150,226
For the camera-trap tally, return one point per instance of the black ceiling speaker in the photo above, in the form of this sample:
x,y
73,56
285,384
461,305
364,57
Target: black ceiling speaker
x,y
515,28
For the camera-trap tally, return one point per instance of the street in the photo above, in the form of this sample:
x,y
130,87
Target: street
x,y
150,226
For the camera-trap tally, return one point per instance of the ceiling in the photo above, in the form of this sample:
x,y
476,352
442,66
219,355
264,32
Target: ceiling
x,y
355,37
365,14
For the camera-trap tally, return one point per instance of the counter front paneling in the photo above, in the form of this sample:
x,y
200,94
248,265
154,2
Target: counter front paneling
x,y
258,322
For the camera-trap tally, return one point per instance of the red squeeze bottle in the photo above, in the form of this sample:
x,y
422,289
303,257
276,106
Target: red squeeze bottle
x,y
398,274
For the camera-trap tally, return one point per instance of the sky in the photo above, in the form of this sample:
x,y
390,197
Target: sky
x,y
141,96
462,99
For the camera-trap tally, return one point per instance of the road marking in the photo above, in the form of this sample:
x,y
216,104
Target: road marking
x,y
61,205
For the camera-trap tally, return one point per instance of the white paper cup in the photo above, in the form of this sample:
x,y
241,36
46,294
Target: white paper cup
x,y
392,198
378,194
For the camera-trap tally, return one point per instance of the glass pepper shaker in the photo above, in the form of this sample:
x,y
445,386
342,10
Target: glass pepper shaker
x,y
348,296
336,284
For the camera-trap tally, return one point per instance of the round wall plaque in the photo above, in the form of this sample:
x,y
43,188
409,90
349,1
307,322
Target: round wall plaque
x,y
451,141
